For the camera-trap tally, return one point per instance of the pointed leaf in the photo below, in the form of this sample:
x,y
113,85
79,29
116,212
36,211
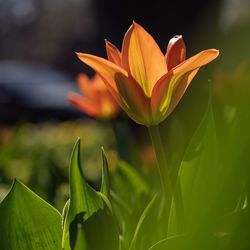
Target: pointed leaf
x,y
139,231
89,221
84,201
105,187
28,222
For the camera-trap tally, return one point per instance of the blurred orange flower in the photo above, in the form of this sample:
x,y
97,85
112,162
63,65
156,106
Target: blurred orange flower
x,y
147,84
96,100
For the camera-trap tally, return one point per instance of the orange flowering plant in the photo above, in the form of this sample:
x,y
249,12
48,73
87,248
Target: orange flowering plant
x,y
147,84
96,100
199,201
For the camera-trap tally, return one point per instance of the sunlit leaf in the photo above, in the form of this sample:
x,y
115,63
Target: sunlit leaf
x,y
84,201
89,222
141,233
28,222
105,187
200,176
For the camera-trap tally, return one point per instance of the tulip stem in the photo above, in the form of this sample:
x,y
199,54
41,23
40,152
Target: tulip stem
x,y
162,167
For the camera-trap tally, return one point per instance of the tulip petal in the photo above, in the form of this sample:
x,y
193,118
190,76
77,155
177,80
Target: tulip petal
x,y
114,55
196,61
83,104
133,99
161,94
143,58
180,89
104,67
176,52
85,85
171,87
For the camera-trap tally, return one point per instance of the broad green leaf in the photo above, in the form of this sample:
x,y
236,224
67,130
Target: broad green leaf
x,y
28,222
200,177
89,223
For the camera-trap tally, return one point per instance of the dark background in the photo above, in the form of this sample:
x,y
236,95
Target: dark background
x,y
38,38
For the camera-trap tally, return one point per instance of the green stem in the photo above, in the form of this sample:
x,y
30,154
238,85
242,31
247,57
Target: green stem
x,y
162,167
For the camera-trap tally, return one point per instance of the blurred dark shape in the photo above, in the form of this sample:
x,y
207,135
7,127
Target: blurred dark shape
x,y
43,30
233,12
33,91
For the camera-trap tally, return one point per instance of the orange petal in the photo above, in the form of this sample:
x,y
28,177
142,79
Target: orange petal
x,y
133,99
104,67
170,92
176,52
180,89
98,83
160,94
114,55
83,104
143,56
196,61
171,87
108,106
85,85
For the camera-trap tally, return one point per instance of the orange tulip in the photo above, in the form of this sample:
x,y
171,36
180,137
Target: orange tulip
x,y
96,101
147,85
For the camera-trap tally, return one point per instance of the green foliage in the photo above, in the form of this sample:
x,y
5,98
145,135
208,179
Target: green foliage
x,y
28,222
199,176
38,155
129,211
139,240
88,211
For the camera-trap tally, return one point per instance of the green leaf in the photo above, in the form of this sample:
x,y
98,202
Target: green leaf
x,y
81,243
101,231
127,179
140,234
178,242
65,212
232,229
28,222
201,177
89,223
187,242
135,180
130,195
84,201
105,187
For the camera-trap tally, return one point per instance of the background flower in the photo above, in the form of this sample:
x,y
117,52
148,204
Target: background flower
x,y
96,100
